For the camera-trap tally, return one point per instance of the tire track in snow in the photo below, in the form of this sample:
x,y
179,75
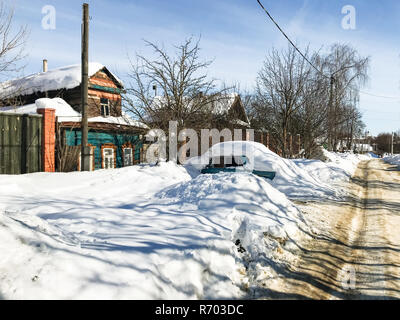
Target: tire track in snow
x,y
358,237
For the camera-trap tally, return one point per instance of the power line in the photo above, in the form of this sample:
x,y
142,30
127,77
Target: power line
x,y
378,96
290,41
311,64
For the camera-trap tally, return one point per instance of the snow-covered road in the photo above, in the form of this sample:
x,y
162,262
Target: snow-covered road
x,y
353,251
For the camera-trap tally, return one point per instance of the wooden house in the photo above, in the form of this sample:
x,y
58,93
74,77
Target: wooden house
x,y
115,138
104,96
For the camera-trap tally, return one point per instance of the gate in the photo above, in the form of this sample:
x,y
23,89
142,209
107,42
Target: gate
x,y
20,143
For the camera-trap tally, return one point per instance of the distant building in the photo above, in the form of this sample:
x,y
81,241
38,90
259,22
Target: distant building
x,y
226,110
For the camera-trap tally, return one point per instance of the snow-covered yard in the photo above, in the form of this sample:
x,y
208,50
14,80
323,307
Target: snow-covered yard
x,y
154,231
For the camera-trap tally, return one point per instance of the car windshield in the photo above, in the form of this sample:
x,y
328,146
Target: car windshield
x,y
228,161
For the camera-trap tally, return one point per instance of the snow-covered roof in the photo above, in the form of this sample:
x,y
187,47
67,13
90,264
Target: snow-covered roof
x,y
123,120
63,109
222,106
61,78
66,113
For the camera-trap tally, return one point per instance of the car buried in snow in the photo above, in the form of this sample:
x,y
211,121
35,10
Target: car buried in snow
x,y
233,157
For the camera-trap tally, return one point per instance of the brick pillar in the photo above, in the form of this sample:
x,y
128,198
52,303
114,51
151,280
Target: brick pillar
x,y
48,138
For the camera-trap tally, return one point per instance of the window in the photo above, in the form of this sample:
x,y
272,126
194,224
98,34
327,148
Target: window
x,y
105,107
128,157
108,158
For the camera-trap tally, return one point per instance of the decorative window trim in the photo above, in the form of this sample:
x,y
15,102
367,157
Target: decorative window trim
x,y
108,146
128,145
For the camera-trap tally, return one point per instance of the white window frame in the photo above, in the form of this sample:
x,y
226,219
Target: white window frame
x,y
105,108
112,158
131,158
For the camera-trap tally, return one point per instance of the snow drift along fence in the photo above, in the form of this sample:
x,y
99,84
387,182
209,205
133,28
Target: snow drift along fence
x,y
20,143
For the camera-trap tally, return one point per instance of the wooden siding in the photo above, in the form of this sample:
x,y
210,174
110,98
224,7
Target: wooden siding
x,y
97,139
102,79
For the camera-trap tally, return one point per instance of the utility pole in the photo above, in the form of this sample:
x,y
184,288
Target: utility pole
x,y
85,150
392,143
330,118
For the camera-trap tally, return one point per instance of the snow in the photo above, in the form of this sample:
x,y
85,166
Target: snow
x,y
339,167
223,106
362,147
67,77
143,232
26,109
66,113
393,159
297,179
62,108
123,120
155,231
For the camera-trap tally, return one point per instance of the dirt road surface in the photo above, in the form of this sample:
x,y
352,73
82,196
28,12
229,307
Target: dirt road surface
x,y
355,251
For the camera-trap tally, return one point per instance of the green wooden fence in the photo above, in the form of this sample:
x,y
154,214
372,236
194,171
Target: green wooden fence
x,y
20,143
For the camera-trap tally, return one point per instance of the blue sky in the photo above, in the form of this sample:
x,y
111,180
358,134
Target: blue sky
x,y
235,34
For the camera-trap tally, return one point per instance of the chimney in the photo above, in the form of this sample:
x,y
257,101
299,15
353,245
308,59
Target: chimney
x,y
44,65
45,70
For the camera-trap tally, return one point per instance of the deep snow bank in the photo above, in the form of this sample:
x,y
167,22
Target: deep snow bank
x,y
297,179
338,168
155,232
144,232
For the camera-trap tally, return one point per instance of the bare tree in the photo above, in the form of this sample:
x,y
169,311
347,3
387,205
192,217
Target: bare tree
x,y
310,119
67,157
349,72
279,91
12,42
185,93
319,102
